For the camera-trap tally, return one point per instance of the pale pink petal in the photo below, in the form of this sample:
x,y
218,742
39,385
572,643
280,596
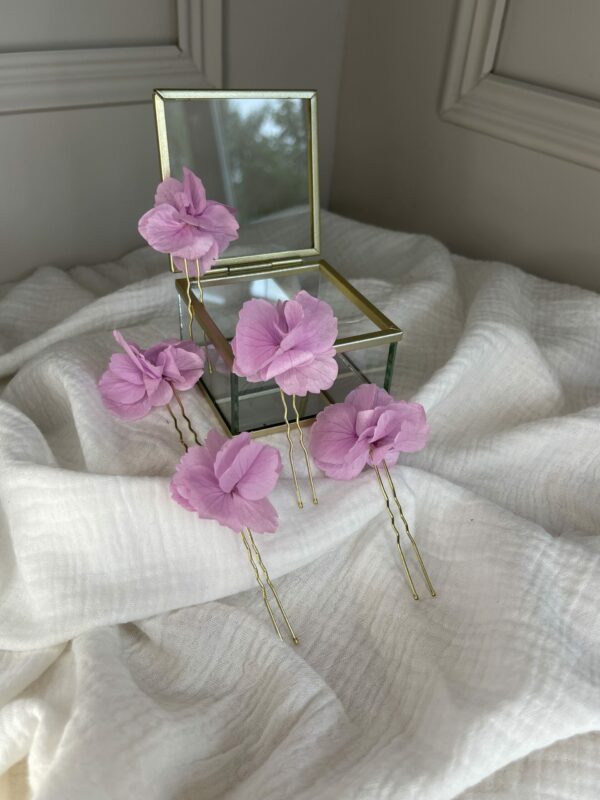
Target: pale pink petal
x,y
195,244
368,396
120,390
333,434
319,325
167,191
314,377
213,442
345,471
208,259
159,392
414,430
256,337
164,230
190,480
123,367
227,454
120,399
181,363
216,217
194,189
258,515
384,452
253,472
284,363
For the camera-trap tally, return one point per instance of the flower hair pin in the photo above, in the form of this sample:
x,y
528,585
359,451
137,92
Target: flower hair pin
x,y
137,380
227,480
371,428
194,231
290,342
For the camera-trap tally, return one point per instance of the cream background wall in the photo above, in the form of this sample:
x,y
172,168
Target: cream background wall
x,y
74,181
399,165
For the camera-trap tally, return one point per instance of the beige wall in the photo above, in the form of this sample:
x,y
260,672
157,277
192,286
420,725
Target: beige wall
x,y
75,181
399,165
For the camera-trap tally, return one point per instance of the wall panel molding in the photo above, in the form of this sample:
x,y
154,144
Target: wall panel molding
x,y
560,124
41,80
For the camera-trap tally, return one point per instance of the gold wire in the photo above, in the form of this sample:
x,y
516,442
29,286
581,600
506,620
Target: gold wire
x,y
432,591
261,584
188,289
201,298
306,458
177,428
295,639
393,521
288,433
186,418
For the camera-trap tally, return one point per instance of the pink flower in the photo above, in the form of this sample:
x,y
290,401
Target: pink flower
x,y
182,362
367,428
290,342
139,380
228,480
185,224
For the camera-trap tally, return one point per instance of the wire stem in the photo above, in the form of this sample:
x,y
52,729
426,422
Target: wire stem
x,y
201,299
188,290
177,428
261,584
291,450
397,532
261,564
186,418
432,591
305,451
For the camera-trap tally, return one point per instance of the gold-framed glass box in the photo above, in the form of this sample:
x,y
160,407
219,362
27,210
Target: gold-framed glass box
x,y
258,152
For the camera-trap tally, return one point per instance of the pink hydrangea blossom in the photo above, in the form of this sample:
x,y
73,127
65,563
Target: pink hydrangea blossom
x,y
186,225
137,380
367,428
290,342
228,480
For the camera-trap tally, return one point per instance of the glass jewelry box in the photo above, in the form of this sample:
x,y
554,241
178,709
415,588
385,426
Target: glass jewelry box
x,y
258,152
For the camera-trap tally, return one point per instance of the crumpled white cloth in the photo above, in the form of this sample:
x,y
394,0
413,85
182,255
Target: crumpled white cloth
x,y
137,659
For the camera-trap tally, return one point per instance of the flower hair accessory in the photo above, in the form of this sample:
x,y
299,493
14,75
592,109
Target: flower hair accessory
x,y
370,428
194,231
290,342
138,380
229,480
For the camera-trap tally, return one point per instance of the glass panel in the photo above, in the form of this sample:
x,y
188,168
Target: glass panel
x,y
252,406
224,300
252,154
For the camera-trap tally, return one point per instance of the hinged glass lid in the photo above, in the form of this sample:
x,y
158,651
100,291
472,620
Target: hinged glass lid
x,y
255,151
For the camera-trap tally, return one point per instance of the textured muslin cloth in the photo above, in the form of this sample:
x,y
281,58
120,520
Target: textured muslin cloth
x,y
137,660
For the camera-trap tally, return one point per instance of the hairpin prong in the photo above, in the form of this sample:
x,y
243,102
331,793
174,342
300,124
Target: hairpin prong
x,y
186,418
261,584
201,299
397,532
288,431
261,564
188,290
305,451
432,591
177,428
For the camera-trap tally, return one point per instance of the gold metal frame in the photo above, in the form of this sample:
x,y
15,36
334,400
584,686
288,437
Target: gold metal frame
x,y
163,95
388,332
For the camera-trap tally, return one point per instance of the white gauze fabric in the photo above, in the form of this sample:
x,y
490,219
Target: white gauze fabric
x,y
137,659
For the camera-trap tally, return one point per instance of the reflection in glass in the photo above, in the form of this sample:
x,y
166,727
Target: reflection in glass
x,y
254,155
